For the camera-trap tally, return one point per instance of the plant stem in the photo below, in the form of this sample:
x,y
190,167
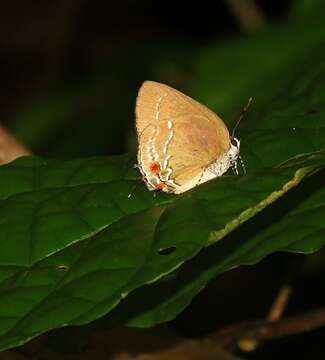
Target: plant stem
x,y
262,331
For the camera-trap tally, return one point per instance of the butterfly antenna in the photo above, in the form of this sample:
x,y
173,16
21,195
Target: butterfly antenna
x,y
241,116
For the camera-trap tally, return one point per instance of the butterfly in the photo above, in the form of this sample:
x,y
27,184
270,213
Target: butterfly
x,y
182,143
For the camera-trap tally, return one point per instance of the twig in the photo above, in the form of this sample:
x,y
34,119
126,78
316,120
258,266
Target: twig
x,y
187,349
263,331
280,303
10,148
249,343
248,14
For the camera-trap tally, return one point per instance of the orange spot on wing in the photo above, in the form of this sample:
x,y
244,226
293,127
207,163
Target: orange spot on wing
x,y
155,167
160,186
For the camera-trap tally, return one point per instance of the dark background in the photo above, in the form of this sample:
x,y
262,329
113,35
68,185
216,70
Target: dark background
x,y
70,72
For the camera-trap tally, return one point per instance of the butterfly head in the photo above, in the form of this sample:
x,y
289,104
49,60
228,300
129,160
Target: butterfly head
x,y
233,152
234,142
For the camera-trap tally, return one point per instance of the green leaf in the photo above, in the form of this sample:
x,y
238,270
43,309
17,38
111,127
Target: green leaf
x,y
274,229
70,250
281,134
260,66
76,250
73,245
303,8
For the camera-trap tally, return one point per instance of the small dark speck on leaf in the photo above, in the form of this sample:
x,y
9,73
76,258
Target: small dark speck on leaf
x,y
311,111
62,267
167,250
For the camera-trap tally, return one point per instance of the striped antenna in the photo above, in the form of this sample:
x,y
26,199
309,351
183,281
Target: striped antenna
x,y
241,116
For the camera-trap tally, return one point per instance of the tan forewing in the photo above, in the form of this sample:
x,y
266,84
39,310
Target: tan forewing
x,y
184,171
197,144
158,101
178,132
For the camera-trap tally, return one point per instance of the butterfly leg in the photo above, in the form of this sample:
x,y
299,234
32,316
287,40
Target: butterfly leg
x,y
135,187
235,168
242,164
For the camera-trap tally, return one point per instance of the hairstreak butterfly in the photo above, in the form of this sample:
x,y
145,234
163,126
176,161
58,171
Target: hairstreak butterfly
x,y
181,142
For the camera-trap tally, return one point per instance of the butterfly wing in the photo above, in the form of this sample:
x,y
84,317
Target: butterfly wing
x,y
179,134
